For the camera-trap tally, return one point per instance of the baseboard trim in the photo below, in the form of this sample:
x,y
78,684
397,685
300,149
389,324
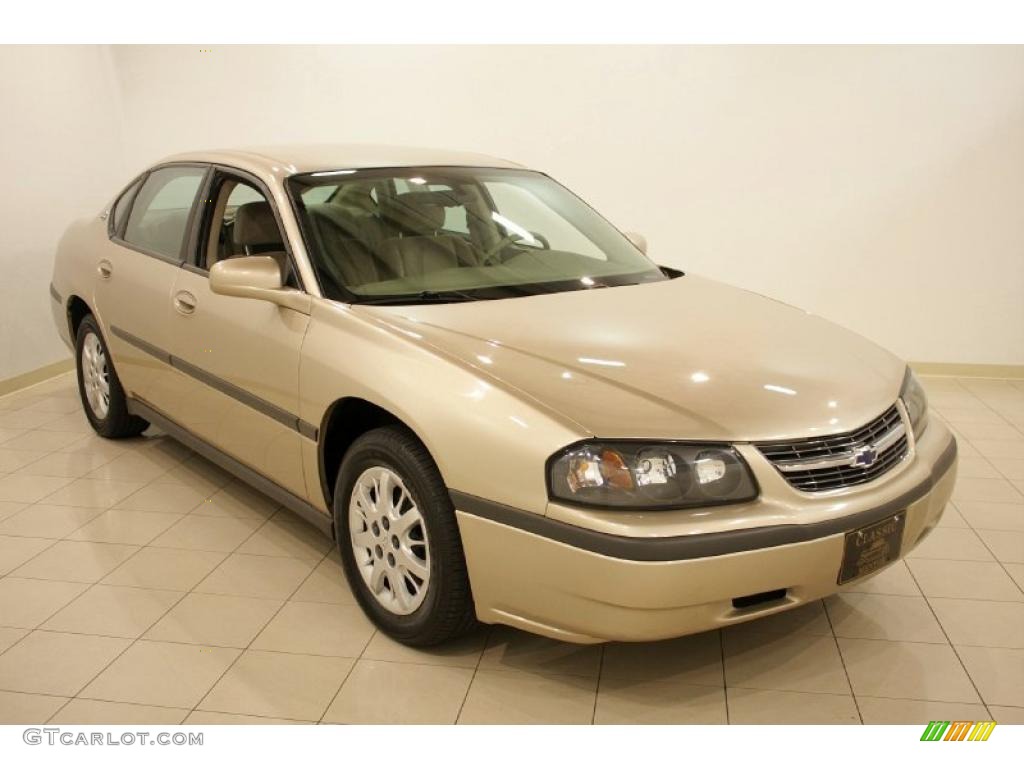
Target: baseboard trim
x,y
39,375
970,370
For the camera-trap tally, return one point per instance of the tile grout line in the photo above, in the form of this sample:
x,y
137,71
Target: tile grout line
x,y
98,582
267,623
10,574
725,684
597,686
999,562
129,646
973,530
57,610
334,696
434,665
108,701
133,642
73,479
956,653
472,679
985,406
241,652
54,451
842,660
355,661
984,543
291,720
1002,565
971,527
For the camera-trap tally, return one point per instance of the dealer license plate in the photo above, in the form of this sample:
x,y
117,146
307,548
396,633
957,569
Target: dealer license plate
x,y
872,547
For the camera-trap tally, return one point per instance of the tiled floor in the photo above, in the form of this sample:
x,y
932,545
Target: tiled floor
x,y
140,584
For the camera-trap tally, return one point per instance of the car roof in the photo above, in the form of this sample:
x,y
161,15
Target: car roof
x,y
286,160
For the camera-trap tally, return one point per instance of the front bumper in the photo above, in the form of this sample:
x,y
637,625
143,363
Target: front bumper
x,y
590,583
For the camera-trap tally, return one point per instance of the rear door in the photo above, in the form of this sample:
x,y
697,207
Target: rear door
x,y
136,275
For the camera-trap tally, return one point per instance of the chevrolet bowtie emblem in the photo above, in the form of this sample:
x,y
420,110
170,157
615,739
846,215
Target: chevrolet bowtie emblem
x,y
864,456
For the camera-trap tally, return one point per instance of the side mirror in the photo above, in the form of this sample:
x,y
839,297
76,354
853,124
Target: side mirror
x,y
256,277
638,240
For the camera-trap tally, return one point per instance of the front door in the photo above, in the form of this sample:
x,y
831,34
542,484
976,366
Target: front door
x,y
237,359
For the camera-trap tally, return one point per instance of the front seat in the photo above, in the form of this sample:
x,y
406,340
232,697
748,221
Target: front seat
x,y
421,247
256,233
348,256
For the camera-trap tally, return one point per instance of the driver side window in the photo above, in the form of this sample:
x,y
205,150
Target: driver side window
x,y
242,223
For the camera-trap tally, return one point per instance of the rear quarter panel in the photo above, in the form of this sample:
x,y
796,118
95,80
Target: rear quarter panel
x,y
74,270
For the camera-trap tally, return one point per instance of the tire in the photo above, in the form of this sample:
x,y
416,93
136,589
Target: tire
x,y
109,414
441,607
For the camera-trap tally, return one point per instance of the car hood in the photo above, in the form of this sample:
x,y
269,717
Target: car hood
x,y
687,358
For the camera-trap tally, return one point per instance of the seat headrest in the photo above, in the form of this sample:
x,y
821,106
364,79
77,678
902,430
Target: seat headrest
x,y
420,213
255,225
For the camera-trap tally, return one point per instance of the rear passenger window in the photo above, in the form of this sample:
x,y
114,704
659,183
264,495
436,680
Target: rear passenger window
x,y
159,217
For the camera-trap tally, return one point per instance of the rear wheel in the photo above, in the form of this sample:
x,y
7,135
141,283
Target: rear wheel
x,y
103,398
399,541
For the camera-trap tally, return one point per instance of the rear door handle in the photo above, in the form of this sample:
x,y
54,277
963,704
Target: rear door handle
x,y
185,302
105,268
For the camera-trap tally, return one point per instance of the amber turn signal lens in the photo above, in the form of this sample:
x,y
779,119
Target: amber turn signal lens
x,y
592,469
615,471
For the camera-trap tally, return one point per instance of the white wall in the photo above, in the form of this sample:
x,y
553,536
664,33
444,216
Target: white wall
x,y
61,159
879,187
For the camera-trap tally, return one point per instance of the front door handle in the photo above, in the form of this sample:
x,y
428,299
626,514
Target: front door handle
x,y
185,302
105,268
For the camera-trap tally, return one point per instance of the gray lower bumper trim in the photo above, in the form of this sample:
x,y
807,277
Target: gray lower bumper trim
x,y
698,545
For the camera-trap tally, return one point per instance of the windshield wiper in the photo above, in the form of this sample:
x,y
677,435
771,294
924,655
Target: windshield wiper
x,y
423,297
447,295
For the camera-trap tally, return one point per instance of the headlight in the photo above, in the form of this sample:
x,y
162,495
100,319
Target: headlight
x,y
916,403
649,476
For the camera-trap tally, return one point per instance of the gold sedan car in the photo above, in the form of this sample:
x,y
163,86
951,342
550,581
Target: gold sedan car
x,y
497,405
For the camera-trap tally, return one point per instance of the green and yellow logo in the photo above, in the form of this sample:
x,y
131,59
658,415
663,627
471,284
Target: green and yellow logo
x,y
958,730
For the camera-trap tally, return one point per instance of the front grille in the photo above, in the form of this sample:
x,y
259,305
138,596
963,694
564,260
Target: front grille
x,y
792,453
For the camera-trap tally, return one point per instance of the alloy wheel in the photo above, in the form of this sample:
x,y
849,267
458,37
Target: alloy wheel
x,y
95,376
389,540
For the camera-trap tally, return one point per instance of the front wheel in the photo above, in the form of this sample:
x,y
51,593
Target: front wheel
x,y
399,541
103,398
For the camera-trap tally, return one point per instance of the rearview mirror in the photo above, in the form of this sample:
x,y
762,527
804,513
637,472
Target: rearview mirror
x,y
256,277
638,240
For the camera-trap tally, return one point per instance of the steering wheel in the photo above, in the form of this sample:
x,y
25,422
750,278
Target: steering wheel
x,y
490,257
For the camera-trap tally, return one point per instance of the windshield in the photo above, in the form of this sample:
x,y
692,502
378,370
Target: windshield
x,y
405,235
